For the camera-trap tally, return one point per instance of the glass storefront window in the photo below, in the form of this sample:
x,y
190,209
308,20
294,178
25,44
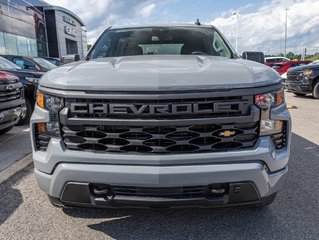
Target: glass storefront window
x,y
33,46
2,47
17,45
11,43
22,46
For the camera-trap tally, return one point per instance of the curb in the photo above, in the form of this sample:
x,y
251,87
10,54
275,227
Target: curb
x,y
14,168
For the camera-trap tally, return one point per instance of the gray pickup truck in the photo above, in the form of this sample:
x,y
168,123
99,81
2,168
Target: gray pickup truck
x,y
12,103
161,116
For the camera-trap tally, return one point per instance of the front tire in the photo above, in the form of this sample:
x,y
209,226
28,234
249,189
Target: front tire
x,y
315,91
300,94
3,131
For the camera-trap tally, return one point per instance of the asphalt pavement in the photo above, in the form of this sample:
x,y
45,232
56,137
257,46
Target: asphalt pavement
x,y
25,212
14,145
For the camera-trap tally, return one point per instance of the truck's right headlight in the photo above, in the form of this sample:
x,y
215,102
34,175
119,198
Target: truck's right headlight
x,y
53,104
270,99
266,101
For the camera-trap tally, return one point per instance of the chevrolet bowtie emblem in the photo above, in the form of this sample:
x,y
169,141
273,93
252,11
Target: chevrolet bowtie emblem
x,y
227,133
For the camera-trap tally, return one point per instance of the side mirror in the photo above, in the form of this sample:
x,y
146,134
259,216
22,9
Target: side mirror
x,y
70,58
76,57
254,56
32,68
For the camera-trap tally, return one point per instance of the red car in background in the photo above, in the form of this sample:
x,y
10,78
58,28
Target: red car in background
x,y
283,67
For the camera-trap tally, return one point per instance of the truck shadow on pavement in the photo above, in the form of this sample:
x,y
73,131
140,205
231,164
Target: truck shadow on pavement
x,y
293,215
10,197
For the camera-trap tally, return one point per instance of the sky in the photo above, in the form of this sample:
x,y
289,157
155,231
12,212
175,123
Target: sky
x,y
261,23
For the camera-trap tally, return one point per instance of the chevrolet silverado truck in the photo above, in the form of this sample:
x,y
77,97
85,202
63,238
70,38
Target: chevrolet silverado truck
x,y
161,116
12,104
303,80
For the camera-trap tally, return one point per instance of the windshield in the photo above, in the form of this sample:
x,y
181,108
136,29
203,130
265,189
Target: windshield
x,y
6,64
44,63
160,41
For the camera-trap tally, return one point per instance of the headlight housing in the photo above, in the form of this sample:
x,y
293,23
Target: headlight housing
x,y
53,104
270,99
308,72
266,101
32,80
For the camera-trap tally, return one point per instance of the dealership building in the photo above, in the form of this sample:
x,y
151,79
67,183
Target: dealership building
x,y
35,28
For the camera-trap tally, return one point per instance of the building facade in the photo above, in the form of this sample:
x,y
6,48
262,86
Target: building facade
x,y
66,32
35,28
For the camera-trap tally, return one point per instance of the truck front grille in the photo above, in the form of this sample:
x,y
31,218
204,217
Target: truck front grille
x,y
295,76
161,140
160,124
9,94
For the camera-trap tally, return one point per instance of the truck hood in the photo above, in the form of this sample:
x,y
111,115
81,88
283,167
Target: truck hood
x,y
159,73
303,68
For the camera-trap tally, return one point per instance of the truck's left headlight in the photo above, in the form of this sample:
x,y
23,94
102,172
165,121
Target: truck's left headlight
x,y
53,104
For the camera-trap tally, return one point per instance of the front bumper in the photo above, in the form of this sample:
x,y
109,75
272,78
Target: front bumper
x,y
247,182
298,86
264,168
9,118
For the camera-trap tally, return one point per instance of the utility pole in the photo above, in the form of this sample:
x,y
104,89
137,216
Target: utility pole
x,y
237,23
305,53
286,31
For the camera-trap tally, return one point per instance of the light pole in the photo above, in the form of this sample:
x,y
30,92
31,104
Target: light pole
x,y
237,23
286,30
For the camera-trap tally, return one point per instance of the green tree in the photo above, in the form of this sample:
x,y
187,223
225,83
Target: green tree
x,y
290,55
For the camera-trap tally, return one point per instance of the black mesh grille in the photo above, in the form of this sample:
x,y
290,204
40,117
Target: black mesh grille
x,y
161,132
165,192
295,76
161,140
9,90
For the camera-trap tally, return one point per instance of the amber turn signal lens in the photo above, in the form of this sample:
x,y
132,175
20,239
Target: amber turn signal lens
x,y
279,97
41,128
40,99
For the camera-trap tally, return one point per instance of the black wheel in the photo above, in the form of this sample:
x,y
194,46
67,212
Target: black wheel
x,y
300,94
315,91
27,117
3,131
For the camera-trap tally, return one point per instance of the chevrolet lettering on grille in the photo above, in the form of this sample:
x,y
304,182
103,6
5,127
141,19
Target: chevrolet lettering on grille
x,y
149,109
153,109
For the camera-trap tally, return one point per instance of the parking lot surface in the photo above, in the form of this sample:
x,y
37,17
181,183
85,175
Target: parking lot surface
x,y
14,145
25,212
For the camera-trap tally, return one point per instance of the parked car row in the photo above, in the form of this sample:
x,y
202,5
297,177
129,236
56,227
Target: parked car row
x,y
303,80
19,76
299,77
29,79
12,104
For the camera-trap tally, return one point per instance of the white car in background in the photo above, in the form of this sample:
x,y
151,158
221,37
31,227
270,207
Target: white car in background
x,y
276,59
